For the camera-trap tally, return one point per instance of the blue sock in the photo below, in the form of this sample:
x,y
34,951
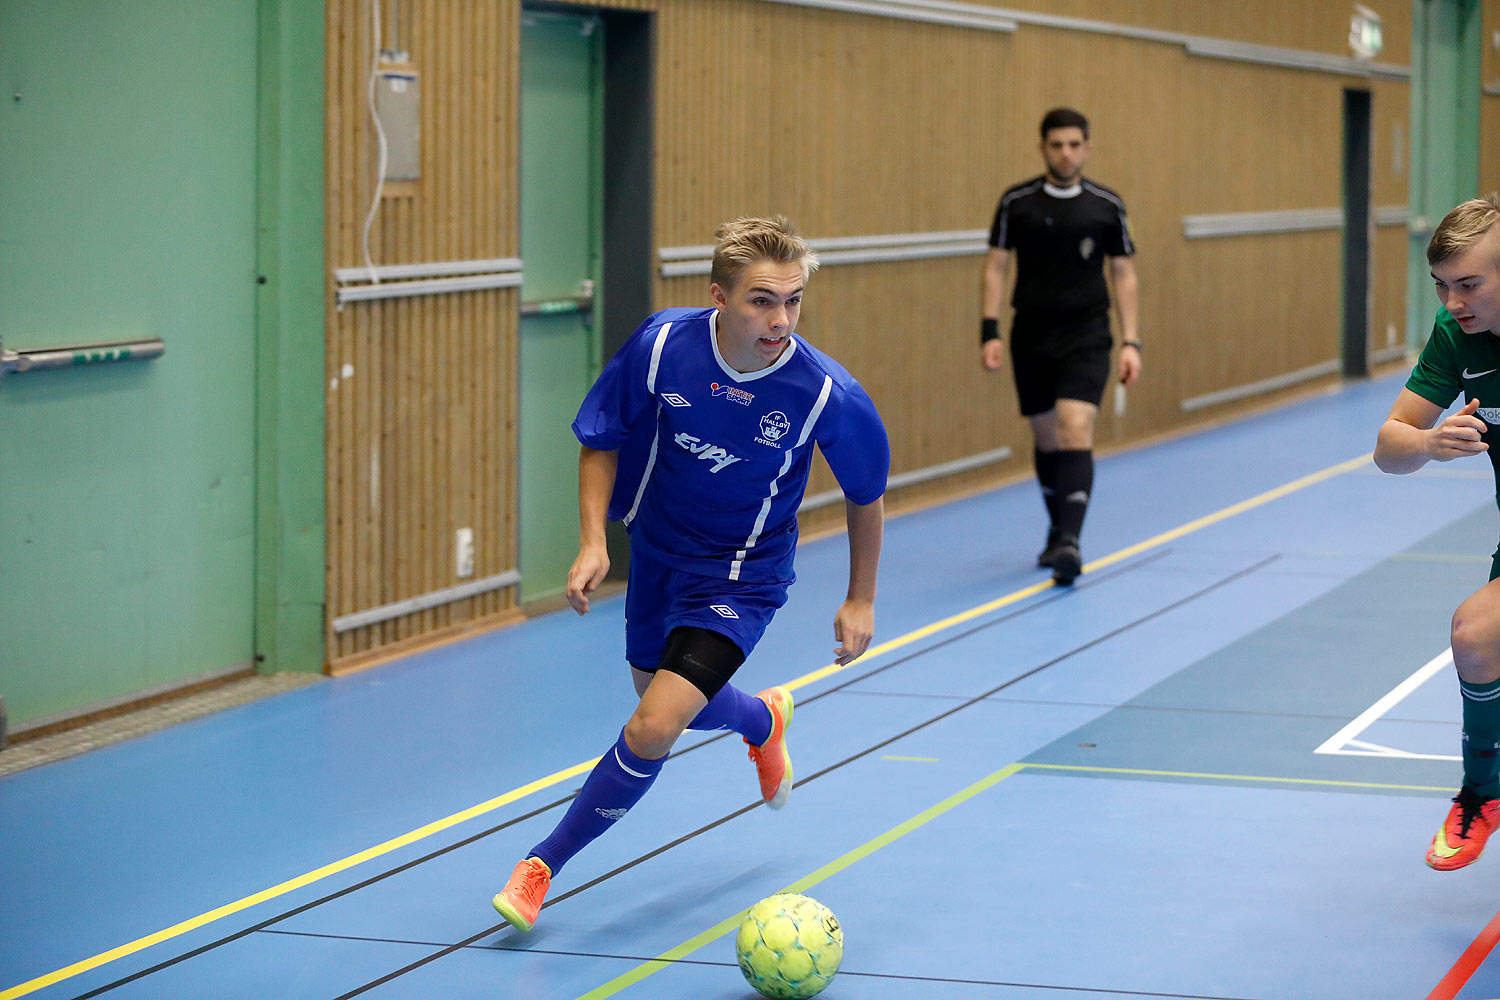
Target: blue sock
x,y
615,784
733,709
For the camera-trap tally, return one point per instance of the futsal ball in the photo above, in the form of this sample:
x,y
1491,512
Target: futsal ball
x,y
789,946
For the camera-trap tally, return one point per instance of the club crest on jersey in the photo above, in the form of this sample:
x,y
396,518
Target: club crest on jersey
x,y
730,392
706,451
772,426
1086,247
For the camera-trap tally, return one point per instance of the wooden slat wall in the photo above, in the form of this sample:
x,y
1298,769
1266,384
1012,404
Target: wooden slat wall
x,y
852,125
421,437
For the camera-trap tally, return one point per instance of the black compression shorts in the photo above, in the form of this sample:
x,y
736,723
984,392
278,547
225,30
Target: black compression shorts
x,y
1056,358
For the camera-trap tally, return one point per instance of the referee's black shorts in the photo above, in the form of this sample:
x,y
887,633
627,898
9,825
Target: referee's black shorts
x,y
1059,357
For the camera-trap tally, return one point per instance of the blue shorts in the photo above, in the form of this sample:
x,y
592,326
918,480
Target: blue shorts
x,y
659,598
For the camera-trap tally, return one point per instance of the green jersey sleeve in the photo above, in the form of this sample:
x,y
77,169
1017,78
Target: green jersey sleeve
x,y
1436,377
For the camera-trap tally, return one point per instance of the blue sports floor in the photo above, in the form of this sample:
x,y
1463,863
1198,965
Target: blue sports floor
x,y
1209,770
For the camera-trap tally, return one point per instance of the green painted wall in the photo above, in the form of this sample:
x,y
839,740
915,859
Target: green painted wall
x,y
128,208
561,206
289,419
1445,69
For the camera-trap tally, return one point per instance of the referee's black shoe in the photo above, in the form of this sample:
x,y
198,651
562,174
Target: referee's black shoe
x,y
1067,563
1048,555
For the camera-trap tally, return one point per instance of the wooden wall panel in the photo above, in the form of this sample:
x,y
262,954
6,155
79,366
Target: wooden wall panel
x,y
421,434
1489,145
1489,102
1314,27
852,125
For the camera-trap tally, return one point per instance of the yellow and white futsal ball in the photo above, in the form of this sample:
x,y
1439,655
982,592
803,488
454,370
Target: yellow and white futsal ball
x,y
789,946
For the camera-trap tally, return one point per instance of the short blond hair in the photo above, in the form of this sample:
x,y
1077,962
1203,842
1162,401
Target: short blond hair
x,y
1463,227
740,243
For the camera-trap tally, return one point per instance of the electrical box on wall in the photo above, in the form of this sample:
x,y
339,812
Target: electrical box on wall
x,y
397,103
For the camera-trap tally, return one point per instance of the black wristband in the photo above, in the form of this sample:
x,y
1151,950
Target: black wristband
x,y
989,329
1132,343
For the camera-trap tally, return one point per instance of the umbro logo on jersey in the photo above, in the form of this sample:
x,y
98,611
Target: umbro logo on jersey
x,y
706,451
1469,374
738,395
673,399
722,610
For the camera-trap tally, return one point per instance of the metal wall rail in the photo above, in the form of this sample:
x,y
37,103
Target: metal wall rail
x,y
678,261
74,355
1290,220
392,281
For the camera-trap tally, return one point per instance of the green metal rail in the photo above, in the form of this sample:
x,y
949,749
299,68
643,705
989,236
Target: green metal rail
x,y
72,356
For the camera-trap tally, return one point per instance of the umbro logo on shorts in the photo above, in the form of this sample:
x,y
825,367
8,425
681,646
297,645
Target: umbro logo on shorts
x,y
674,399
722,610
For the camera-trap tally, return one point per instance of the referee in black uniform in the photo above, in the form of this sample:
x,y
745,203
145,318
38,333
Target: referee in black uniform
x,y
1061,227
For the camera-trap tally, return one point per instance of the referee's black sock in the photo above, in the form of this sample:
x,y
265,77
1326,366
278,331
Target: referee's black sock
x,y
1074,482
1046,478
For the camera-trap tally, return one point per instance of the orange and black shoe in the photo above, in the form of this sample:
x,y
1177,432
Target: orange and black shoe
x,y
521,899
1460,840
773,765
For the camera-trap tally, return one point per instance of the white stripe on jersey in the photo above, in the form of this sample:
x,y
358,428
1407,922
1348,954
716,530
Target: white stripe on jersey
x,y
817,410
1005,206
661,341
1120,206
646,475
765,507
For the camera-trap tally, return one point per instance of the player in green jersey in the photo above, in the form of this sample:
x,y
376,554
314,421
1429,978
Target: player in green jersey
x,y
1462,356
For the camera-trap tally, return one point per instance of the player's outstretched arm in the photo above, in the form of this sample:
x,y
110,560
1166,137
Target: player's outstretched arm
x,y
596,480
854,624
1408,440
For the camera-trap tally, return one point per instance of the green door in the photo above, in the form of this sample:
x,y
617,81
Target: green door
x,y
561,181
127,210
1446,40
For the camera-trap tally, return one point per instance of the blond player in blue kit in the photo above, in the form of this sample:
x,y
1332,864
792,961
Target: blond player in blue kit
x,y
1462,356
699,436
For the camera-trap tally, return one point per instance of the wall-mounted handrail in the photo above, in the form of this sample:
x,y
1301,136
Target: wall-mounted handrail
x,y
73,355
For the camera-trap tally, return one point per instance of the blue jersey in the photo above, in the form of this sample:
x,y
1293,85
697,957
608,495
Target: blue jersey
x,y
713,462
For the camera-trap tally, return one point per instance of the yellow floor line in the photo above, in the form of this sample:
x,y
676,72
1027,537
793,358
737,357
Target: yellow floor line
x,y
1243,777
729,924
103,958
833,867
140,944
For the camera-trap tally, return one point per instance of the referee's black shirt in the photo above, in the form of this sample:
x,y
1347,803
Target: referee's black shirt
x,y
1060,237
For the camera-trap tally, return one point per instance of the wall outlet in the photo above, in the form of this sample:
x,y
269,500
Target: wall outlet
x,y
463,552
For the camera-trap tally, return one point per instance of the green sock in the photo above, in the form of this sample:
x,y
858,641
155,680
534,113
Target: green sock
x,y
1482,738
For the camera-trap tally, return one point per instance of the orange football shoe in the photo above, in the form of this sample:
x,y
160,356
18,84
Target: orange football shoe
x,y
773,765
1460,840
521,900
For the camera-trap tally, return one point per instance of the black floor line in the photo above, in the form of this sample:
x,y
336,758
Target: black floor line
x,y
450,949
1092,580
726,964
270,921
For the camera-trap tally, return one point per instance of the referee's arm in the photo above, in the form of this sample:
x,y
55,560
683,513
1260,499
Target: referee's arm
x,y
1127,304
992,292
